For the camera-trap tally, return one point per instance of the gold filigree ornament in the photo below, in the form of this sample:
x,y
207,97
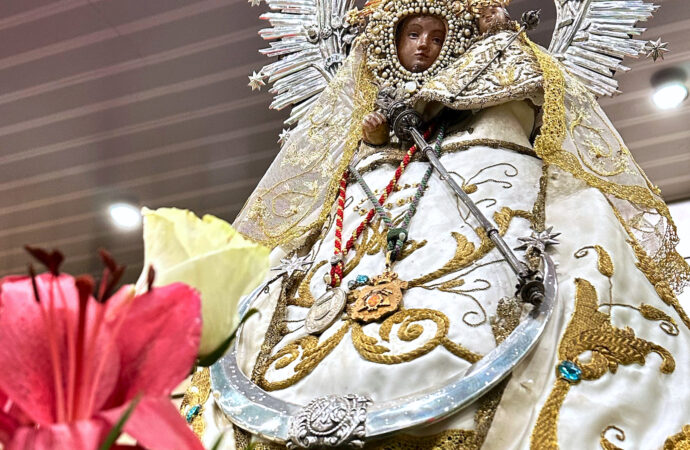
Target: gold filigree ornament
x,y
381,45
379,300
194,399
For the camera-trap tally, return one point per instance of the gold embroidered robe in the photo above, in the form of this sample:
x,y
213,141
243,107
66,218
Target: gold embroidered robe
x,y
617,317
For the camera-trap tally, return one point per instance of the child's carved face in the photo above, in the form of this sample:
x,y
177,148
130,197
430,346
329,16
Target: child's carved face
x,y
491,16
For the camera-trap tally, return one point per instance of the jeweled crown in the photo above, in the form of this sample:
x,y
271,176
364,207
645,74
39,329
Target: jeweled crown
x,y
384,16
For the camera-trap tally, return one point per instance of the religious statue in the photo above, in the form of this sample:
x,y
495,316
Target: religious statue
x,y
430,139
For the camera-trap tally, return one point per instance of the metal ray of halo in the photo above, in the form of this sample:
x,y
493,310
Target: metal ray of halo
x,y
254,410
592,37
311,38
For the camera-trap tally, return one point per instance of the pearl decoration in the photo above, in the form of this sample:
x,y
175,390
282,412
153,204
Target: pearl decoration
x,y
381,51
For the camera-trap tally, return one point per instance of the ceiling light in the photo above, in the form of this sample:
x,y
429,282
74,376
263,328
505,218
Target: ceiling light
x,y
670,95
125,215
669,88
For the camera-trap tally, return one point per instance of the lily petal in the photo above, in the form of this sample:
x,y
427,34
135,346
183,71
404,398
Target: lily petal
x,y
158,340
156,424
80,435
25,345
26,342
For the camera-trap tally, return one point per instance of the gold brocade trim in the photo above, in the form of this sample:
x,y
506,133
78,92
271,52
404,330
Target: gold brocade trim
x,y
492,143
549,146
196,395
365,92
393,155
680,441
539,209
274,333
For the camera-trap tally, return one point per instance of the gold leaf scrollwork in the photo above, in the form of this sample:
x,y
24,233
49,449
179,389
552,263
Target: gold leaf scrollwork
x,y
409,331
604,262
312,353
591,330
305,299
680,441
668,325
608,445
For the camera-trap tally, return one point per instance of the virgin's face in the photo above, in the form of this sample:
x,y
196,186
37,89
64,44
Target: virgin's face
x,y
420,39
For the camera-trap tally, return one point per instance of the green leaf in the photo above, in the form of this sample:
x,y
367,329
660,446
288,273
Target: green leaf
x,y
117,429
218,353
216,445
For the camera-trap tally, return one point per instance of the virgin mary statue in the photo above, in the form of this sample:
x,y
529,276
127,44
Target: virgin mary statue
x,y
386,285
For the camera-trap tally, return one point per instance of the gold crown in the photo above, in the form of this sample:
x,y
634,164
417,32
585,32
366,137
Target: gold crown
x,y
475,6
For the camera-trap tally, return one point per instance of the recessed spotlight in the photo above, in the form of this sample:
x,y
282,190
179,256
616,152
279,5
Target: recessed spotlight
x,y
669,88
670,95
125,215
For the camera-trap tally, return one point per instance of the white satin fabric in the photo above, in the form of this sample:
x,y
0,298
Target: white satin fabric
x,y
647,405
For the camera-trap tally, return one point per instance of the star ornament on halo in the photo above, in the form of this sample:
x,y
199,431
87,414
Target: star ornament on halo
x,y
256,81
292,264
283,136
538,241
656,49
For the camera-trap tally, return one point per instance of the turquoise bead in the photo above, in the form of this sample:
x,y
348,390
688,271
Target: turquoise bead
x,y
362,279
569,371
192,413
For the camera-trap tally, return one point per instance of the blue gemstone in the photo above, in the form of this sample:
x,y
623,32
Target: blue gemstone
x,y
569,371
192,413
362,279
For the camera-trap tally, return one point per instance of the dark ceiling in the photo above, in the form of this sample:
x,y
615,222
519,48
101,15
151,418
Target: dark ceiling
x,y
147,101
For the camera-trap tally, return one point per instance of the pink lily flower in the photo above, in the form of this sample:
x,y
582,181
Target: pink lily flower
x,y
72,363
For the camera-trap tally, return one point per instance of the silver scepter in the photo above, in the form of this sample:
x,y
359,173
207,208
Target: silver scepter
x,y
405,123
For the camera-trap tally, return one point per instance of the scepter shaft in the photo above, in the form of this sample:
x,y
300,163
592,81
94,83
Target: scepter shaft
x,y
492,232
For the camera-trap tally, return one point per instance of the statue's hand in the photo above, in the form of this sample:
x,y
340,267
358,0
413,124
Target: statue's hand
x,y
375,128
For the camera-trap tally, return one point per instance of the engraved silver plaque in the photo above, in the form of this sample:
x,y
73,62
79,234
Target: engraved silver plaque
x,y
331,421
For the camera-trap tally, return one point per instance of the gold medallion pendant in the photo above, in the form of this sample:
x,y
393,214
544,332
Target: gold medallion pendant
x,y
383,297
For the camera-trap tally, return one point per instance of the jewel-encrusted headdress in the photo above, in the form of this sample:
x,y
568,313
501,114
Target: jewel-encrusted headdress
x,y
380,39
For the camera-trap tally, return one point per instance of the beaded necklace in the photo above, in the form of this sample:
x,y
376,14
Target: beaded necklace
x,y
382,294
337,260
